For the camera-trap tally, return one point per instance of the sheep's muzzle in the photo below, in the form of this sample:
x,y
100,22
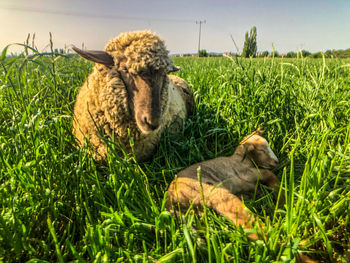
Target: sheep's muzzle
x,y
145,104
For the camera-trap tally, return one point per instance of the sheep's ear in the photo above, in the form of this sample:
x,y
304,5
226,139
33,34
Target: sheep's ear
x,y
173,69
100,57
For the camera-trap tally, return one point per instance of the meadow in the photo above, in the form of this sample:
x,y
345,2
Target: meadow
x,y
58,205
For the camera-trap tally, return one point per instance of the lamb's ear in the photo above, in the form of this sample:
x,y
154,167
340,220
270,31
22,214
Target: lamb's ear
x,y
243,150
100,57
249,147
259,131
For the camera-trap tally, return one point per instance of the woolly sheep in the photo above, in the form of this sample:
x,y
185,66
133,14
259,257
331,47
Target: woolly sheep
x,y
129,95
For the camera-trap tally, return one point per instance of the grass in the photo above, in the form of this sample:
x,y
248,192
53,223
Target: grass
x,y
57,204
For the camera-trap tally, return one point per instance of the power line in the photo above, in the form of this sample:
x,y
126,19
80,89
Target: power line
x,y
89,15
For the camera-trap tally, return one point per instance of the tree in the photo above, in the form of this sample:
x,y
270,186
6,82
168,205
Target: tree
x,y
245,46
291,54
202,53
328,53
275,53
305,53
265,53
316,55
250,47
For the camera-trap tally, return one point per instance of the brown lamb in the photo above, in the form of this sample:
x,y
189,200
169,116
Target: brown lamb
x,y
225,177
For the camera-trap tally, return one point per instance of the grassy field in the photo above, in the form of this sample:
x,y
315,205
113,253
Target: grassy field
x,y
58,205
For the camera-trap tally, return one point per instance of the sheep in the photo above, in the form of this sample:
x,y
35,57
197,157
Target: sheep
x,y
225,177
129,96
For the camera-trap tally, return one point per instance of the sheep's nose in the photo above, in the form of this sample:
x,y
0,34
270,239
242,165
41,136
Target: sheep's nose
x,y
151,123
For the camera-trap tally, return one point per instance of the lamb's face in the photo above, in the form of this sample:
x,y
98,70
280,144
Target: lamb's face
x,y
260,151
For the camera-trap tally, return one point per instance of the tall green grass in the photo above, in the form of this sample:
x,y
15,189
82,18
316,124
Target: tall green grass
x,y
57,204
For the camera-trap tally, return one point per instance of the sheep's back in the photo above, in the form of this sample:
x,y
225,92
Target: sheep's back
x,y
185,93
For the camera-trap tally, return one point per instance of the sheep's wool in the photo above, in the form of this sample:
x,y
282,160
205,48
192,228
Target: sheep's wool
x,y
101,112
142,49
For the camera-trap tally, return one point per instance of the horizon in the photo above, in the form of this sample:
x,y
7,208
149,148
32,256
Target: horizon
x,y
315,26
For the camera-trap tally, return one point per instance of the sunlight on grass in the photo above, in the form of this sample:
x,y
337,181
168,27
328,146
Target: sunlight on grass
x,y
57,204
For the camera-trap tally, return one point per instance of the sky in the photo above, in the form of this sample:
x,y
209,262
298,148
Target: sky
x,y
314,25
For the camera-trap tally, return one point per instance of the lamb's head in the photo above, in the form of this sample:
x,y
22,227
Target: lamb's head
x,y
143,64
256,148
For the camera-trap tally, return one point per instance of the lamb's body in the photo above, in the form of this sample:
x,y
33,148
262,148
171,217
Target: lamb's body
x,y
103,111
228,172
224,177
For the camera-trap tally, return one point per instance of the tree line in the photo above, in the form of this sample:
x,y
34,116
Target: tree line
x,y
250,48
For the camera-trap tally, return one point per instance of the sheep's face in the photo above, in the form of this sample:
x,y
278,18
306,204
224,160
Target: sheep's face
x,y
145,90
257,149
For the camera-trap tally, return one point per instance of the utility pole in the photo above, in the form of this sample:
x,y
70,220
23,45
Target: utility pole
x,y
200,29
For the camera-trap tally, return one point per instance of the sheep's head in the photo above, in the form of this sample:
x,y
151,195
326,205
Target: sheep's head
x,y
143,64
257,149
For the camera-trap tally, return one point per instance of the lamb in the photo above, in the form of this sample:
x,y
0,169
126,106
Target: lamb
x,y
225,177
130,96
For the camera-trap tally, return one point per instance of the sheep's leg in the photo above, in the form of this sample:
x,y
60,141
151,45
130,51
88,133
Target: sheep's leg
x,y
270,179
186,191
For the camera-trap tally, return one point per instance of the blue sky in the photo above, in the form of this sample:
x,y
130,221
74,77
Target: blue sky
x,y
288,25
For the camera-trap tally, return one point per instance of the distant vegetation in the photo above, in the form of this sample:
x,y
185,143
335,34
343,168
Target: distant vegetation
x,y
202,53
327,54
250,46
250,50
292,54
